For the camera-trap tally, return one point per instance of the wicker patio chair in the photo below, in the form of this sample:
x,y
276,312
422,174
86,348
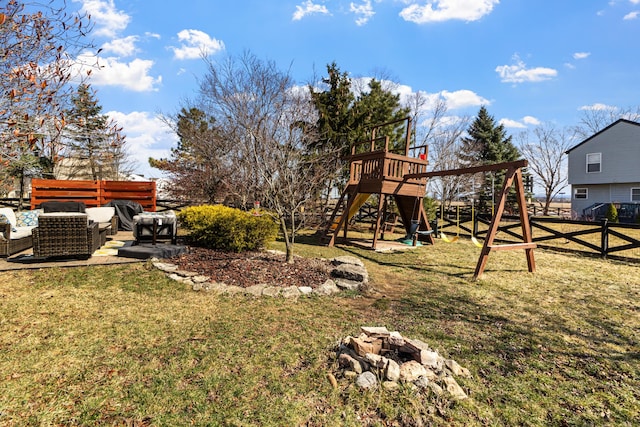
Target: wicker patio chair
x,y
10,246
65,235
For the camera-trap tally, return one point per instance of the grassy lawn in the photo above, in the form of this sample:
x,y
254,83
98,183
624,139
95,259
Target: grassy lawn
x,y
123,345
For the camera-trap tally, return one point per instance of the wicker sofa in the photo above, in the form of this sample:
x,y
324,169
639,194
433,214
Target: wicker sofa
x,y
65,234
13,237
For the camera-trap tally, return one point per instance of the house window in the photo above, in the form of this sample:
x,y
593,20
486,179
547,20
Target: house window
x,y
635,194
594,161
581,193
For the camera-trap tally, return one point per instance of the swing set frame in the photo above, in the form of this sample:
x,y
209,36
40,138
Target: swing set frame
x,y
513,176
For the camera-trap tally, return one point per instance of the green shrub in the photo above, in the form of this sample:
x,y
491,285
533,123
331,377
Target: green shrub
x,y
229,229
612,213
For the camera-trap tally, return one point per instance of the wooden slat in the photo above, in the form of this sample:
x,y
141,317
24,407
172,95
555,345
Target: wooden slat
x,y
512,246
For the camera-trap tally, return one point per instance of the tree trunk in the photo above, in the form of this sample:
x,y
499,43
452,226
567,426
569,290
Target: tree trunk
x,y
288,240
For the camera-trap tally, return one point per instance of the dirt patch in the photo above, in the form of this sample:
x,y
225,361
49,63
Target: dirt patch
x,y
246,269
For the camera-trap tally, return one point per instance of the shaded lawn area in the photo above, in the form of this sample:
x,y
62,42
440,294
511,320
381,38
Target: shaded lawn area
x,y
124,345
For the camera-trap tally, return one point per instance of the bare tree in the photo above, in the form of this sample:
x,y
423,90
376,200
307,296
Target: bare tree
x,y
594,120
440,133
545,149
269,123
38,43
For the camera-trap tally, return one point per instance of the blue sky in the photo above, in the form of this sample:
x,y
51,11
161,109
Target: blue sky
x,y
528,61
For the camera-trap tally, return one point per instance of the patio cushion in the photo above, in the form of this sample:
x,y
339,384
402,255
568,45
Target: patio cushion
x,y
101,214
28,218
9,215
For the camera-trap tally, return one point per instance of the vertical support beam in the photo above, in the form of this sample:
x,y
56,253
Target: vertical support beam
x,y
381,199
495,223
524,220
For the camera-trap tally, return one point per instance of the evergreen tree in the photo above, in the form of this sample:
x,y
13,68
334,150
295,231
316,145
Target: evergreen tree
x,y
95,147
378,106
487,143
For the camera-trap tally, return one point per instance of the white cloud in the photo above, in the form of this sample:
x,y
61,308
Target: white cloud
x,y
445,10
519,73
363,11
581,55
147,136
463,99
509,123
107,19
520,124
635,1
631,16
122,47
598,107
196,43
308,8
133,75
530,120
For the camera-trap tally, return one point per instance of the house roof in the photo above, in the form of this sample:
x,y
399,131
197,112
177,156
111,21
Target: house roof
x,y
602,131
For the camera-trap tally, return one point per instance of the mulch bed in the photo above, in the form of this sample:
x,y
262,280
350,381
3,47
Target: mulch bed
x,y
246,269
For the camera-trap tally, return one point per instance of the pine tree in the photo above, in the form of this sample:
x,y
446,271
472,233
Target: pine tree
x,y
488,143
95,146
378,106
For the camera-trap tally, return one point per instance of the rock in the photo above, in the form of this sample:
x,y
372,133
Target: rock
x,y
348,285
327,288
197,287
375,360
166,267
435,388
332,380
185,273
290,292
271,291
455,389
395,339
375,331
456,369
367,380
217,287
255,290
233,289
305,290
430,359
351,272
414,346
347,260
200,279
392,370
362,347
430,375
422,383
411,371
347,361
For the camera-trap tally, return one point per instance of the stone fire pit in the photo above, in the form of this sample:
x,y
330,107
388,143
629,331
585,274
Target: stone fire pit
x,y
380,357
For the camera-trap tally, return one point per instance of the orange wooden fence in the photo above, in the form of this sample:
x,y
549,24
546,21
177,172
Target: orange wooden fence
x,y
93,193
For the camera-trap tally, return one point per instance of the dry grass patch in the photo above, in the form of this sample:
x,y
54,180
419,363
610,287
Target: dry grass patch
x,y
123,345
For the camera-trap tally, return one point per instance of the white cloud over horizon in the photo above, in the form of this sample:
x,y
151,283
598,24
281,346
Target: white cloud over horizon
x,y
309,8
195,44
147,136
519,73
445,10
363,11
133,75
109,21
125,46
581,55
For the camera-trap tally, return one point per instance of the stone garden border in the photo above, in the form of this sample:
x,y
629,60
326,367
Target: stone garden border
x,y
349,273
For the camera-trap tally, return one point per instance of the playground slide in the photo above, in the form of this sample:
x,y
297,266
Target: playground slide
x,y
355,206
